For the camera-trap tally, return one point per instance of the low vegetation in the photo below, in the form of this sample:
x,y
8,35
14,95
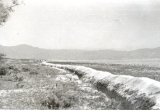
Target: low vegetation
x,y
29,85
26,84
3,71
137,70
130,69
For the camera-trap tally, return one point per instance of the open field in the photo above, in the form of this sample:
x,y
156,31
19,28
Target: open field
x,y
26,84
132,93
150,62
138,68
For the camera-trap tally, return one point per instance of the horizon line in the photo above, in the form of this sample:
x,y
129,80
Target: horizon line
x,y
87,49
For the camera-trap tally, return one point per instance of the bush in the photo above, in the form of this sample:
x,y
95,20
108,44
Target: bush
x,y
19,85
11,67
18,78
56,102
25,69
51,102
62,97
33,73
3,71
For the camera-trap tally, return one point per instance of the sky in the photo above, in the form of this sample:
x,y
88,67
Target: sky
x,y
84,24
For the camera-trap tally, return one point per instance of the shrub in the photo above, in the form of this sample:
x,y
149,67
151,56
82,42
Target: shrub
x,y
18,78
19,85
11,67
51,102
33,73
3,71
63,96
25,69
55,102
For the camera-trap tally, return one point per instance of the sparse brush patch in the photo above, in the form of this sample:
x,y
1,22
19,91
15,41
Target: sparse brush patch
x,y
18,78
3,71
61,97
25,69
144,103
56,102
51,102
11,67
44,93
33,72
19,85
137,70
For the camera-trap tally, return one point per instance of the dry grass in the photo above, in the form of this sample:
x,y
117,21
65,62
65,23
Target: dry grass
x,y
29,85
137,70
130,69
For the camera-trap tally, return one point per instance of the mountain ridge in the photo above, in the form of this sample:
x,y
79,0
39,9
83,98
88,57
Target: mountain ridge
x,y
24,51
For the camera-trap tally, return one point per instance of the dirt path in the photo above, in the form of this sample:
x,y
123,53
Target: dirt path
x,y
91,98
132,93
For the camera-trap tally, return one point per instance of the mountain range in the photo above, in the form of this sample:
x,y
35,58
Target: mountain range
x,y
29,52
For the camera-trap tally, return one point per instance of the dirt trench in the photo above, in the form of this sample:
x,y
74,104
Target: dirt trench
x,y
135,102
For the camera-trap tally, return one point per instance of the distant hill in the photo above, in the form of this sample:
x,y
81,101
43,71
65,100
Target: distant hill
x,y
30,52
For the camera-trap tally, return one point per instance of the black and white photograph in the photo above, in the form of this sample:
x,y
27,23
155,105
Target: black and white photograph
x,y
79,54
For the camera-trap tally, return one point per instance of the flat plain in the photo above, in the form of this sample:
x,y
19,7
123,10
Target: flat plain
x,y
139,67
28,84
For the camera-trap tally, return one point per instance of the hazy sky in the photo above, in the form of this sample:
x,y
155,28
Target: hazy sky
x,y
84,24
